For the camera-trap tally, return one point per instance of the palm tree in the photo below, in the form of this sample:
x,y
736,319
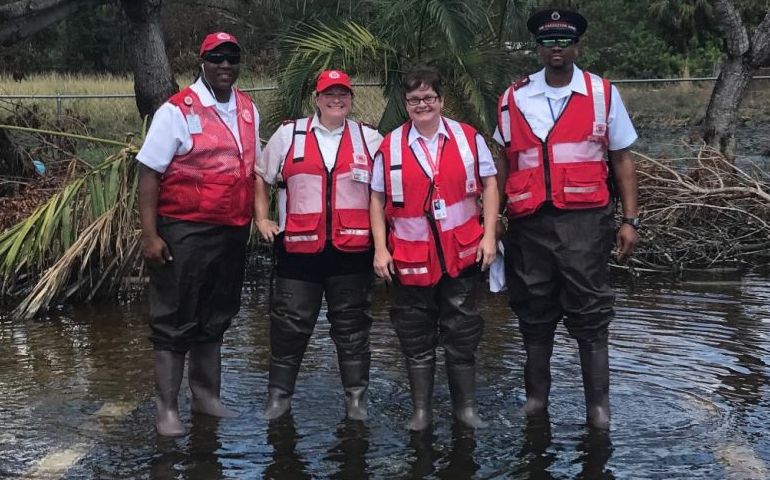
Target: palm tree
x,y
460,38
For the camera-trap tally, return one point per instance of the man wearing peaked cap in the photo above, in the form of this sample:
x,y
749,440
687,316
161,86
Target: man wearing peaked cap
x,y
321,166
557,23
566,137
196,190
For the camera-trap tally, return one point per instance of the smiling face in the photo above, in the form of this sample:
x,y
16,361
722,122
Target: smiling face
x,y
221,67
427,111
334,105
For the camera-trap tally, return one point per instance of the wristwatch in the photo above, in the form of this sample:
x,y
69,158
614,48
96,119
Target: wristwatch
x,y
633,221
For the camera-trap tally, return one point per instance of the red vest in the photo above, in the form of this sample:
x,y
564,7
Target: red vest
x,y
572,160
424,248
214,181
319,203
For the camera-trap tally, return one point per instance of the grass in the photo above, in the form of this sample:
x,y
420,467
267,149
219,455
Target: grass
x,y
678,104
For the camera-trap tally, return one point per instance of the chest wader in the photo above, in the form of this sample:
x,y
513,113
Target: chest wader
x,y
293,315
169,369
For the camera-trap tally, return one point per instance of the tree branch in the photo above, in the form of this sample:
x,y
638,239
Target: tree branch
x,y
730,23
22,19
761,43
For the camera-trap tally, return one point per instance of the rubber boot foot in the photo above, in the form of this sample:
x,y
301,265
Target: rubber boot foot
x,y
421,420
168,424
213,407
468,417
278,404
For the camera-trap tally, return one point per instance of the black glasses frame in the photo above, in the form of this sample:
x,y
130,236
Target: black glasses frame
x,y
429,100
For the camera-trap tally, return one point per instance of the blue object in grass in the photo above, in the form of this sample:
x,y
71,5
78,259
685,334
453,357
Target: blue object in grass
x,y
39,167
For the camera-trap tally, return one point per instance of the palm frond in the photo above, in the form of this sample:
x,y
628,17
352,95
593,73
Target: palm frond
x,y
313,48
457,21
50,240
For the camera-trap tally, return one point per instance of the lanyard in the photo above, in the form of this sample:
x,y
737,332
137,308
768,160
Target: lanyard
x,y
434,165
561,108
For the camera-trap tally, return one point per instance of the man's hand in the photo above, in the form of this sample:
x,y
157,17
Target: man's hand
x,y
268,229
626,242
383,264
155,250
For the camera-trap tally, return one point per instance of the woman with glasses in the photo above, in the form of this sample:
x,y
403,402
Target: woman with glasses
x,y
321,166
429,176
196,190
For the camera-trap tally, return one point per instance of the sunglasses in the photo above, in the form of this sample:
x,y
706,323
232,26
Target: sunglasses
x,y
217,58
557,42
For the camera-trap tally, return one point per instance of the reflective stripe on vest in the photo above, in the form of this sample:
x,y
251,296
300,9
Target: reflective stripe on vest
x,y
466,154
299,139
505,117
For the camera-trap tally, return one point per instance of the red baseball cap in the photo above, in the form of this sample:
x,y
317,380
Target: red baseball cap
x,y
213,40
330,78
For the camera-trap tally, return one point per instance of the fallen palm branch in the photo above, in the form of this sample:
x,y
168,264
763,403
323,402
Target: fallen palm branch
x,y
77,244
702,212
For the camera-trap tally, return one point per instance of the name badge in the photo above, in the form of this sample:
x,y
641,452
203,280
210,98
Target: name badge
x,y
600,129
360,175
194,124
439,209
360,159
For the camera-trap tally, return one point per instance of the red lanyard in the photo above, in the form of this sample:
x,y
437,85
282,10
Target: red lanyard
x,y
434,165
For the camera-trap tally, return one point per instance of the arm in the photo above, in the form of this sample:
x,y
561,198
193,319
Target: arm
x,y
502,176
625,179
268,229
154,248
383,261
490,202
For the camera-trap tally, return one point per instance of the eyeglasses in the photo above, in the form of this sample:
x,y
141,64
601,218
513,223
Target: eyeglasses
x,y
429,100
557,42
217,58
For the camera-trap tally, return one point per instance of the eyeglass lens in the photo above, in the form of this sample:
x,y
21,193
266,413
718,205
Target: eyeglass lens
x,y
217,58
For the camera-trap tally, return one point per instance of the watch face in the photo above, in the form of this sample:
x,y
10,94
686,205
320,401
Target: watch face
x,y
634,222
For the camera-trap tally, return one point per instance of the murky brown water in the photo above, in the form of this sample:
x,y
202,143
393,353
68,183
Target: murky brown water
x,y
690,395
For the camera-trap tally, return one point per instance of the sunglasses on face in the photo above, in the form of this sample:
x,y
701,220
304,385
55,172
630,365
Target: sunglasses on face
x,y
557,42
429,100
217,58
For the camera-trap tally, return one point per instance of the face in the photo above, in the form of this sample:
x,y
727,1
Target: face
x,y
557,56
221,67
334,104
424,113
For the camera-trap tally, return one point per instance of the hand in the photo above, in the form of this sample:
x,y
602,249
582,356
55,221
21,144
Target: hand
x,y
626,242
487,251
155,250
268,229
383,264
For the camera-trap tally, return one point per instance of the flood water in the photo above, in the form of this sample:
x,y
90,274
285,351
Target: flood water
x,y
690,363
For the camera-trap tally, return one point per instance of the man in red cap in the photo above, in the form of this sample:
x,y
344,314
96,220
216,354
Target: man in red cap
x,y
196,190
321,166
566,137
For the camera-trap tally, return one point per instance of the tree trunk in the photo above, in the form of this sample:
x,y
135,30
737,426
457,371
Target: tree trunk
x,y
153,79
744,57
21,19
722,113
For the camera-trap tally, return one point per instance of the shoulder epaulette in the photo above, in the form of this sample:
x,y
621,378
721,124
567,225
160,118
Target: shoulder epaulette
x,y
523,81
368,125
287,122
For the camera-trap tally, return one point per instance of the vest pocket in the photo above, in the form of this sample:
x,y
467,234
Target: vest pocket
x,y
466,243
585,185
519,188
301,235
412,261
216,193
353,231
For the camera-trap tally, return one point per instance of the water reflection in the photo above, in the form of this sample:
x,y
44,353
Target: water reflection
x,y
287,462
350,451
690,373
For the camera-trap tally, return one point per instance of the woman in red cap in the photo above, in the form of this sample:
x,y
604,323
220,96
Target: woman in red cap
x,y
321,166
196,185
429,176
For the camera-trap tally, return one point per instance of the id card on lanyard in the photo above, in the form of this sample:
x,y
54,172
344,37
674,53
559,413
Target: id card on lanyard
x,y
438,204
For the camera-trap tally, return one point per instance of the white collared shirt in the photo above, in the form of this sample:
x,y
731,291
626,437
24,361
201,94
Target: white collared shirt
x,y
271,162
486,162
533,101
169,135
